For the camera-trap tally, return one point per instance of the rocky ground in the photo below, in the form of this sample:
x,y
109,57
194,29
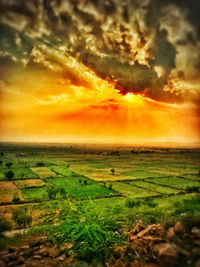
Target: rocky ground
x,y
147,246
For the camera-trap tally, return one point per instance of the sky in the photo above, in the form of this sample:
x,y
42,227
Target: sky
x,y
100,71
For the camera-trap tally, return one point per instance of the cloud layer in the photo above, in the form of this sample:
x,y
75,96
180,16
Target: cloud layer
x,y
149,47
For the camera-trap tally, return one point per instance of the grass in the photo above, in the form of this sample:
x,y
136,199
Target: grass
x,y
175,182
29,183
141,174
19,173
6,196
80,190
43,172
61,170
132,191
155,187
34,194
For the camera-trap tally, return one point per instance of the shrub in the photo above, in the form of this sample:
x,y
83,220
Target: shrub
x,y
130,203
40,164
9,164
9,175
52,191
21,217
16,198
112,171
1,162
4,225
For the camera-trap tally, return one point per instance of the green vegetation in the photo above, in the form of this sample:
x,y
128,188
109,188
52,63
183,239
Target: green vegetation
x,y
9,175
76,189
132,191
155,187
21,217
175,182
87,199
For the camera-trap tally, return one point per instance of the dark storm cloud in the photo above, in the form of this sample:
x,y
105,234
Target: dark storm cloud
x,y
122,41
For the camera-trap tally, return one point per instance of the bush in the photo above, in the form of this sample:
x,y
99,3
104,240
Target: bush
x,y
9,164
130,203
4,225
52,191
9,175
16,198
40,164
21,217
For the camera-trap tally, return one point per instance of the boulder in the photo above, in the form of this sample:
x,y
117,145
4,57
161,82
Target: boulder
x,y
179,228
44,252
54,252
170,233
62,257
167,253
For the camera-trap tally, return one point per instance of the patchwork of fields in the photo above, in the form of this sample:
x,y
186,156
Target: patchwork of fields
x,y
96,173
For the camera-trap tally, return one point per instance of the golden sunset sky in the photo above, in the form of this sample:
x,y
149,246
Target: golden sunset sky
x,y
76,71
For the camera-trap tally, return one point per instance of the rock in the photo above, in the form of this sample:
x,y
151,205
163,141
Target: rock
x,y
135,264
12,249
54,252
66,246
170,233
37,257
197,263
34,243
151,229
5,258
80,264
62,257
44,252
196,232
179,228
119,251
167,253
2,263
20,260
119,263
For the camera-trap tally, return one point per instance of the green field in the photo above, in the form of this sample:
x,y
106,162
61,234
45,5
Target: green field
x,y
155,187
175,182
84,172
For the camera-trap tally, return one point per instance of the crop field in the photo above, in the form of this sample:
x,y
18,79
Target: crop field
x,y
29,183
43,172
108,175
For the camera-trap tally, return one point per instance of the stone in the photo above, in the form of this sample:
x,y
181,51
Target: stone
x,y
196,232
167,253
2,263
44,252
20,260
13,249
119,263
79,264
66,246
170,233
54,252
197,263
179,228
62,257
37,257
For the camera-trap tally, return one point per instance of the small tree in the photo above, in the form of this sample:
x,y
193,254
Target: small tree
x,y
16,198
85,182
52,191
4,226
9,164
21,217
112,171
63,192
9,175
